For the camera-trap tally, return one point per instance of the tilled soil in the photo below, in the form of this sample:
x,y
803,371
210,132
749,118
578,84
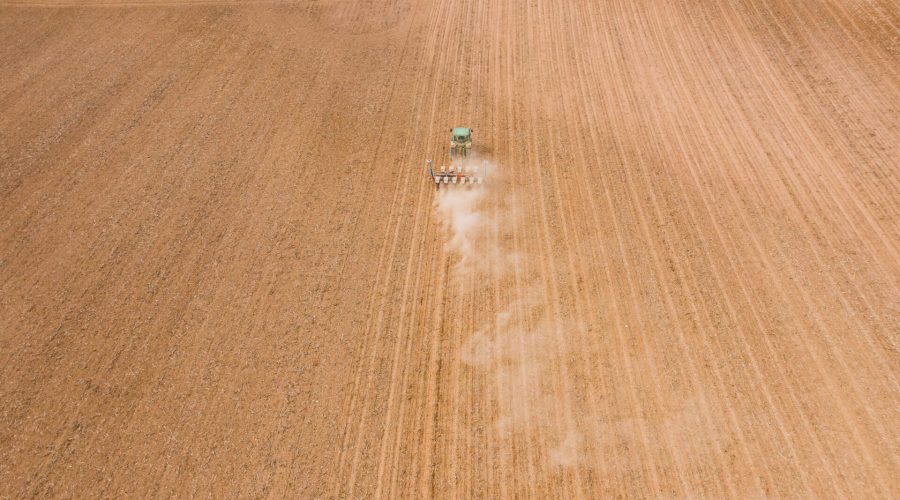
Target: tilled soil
x,y
224,270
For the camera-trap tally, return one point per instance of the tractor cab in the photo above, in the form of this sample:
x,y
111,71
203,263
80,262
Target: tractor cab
x,y
462,135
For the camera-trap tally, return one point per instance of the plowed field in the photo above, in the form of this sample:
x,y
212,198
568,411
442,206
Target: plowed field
x,y
224,270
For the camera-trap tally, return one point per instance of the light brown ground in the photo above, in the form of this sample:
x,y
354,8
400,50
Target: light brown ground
x,y
223,271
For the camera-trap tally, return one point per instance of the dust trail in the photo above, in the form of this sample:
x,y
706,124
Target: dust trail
x,y
522,351
471,214
461,211
522,348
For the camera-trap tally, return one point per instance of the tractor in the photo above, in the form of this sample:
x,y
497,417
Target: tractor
x,y
461,170
460,142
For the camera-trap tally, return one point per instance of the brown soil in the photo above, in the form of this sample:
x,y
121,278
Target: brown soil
x,y
224,272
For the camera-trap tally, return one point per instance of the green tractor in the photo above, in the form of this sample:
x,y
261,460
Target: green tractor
x,y
460,142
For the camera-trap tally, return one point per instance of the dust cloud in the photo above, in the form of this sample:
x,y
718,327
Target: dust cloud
x,y
529,351
522,348
476,218
461,211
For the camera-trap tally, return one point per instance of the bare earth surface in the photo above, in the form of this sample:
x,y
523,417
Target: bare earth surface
x,y
223,271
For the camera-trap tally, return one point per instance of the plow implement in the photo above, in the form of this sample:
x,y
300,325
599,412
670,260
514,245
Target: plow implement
x,y
456,175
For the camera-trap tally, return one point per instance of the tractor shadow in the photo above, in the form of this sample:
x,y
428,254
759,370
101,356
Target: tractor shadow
x,y
482,151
